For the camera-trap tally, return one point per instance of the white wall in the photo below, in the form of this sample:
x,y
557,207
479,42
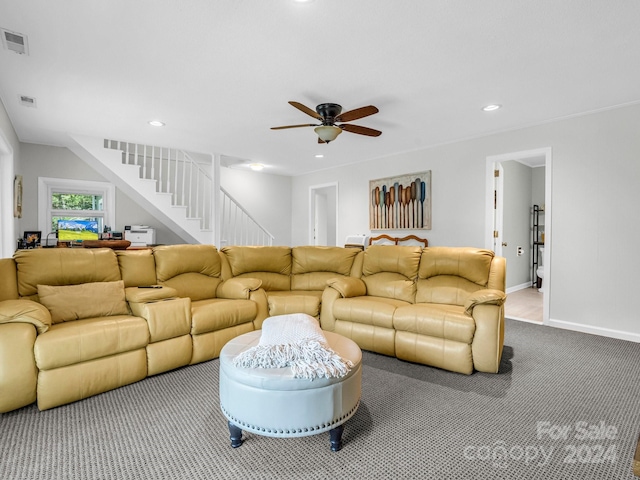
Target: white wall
x,y
595,177
267,197
57,162
9,167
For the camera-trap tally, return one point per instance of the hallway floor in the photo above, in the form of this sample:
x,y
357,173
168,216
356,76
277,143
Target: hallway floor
x,y
525,304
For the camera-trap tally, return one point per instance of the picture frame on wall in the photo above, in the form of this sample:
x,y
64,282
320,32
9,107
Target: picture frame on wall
x,y
402,202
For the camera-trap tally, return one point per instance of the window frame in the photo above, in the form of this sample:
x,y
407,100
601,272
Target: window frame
x,y
47,186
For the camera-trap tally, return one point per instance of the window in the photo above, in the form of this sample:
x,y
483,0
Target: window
x,y
64,199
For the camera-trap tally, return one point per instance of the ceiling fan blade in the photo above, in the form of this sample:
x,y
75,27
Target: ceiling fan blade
x,y
357,113
294,126
305,109
361,130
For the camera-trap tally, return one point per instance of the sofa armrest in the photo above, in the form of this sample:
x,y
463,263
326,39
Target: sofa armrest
x,y
144,295
25,311
484,297
238,288
348,286
18,370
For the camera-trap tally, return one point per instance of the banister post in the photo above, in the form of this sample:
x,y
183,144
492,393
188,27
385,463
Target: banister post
x,y
215,201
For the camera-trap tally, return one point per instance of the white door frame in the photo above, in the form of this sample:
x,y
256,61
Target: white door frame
x,y
312,209
489,211
7,222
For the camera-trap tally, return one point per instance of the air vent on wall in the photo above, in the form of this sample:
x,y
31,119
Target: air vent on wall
x,y
16,42
27,101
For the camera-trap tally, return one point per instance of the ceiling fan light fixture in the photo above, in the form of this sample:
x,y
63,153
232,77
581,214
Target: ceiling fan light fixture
x,y
327,133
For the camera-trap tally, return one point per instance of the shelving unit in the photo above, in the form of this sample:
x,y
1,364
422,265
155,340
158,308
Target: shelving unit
x,y
537,240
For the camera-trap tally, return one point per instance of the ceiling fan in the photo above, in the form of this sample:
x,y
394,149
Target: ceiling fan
x,y
329,114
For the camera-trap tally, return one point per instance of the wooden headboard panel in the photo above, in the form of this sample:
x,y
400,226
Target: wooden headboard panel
x,y
408,240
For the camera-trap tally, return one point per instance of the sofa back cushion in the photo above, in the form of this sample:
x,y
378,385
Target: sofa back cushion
x,y
390,271
8,279
193,270
137,267
87,300
272,265
447,275
64,266
312,266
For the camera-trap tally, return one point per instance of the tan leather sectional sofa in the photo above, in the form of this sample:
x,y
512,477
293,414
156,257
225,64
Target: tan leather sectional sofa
x,y
75,322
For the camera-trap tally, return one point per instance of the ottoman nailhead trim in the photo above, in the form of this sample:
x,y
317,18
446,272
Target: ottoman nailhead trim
x,y
337,421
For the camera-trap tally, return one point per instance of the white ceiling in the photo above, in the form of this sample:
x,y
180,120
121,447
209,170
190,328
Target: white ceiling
x,y
219,73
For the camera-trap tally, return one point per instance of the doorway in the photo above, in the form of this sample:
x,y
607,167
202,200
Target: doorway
x,y
323,215
509,227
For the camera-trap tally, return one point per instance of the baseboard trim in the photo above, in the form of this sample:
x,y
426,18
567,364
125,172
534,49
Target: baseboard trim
x,y
603,332
522,286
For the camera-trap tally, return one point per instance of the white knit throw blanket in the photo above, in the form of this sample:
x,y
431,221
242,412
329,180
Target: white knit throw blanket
x,y
295,341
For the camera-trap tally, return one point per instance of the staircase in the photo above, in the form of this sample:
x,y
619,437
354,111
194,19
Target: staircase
x,y
174,188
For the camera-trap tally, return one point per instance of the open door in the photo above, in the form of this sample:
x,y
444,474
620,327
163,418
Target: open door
x,y
508,215
323,215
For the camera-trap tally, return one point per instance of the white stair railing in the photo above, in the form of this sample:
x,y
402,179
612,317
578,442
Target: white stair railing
x,y
238,227
190,185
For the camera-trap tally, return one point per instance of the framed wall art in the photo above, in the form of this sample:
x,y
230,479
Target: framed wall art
x,y
402,202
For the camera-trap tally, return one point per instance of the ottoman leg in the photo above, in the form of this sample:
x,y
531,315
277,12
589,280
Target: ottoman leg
x,y
235,435
336,438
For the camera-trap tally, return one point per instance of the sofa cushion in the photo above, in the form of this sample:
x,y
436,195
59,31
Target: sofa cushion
x,y
390,285
313,266
64,266
390,271
8,279
272,265
193,270
440,321
294,302
473,264
445,289
388,258
69,343
376,311
137,267
244,259
217,314
73,302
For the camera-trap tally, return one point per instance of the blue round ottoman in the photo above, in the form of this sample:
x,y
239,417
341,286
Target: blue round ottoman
x,y
272,402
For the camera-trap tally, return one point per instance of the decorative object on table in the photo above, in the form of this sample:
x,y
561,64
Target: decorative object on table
x,y
32,239
113,244
402,202
330,113
17,196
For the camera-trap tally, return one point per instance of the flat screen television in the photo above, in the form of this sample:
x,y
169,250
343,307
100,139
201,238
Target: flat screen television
x,y
77,230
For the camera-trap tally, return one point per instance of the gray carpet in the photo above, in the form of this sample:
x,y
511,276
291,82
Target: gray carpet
x,y
413,422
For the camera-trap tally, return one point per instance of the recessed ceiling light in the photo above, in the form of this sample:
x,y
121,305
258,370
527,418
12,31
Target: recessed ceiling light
x,y
319,155
156,123
302,1
491,108
256,167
